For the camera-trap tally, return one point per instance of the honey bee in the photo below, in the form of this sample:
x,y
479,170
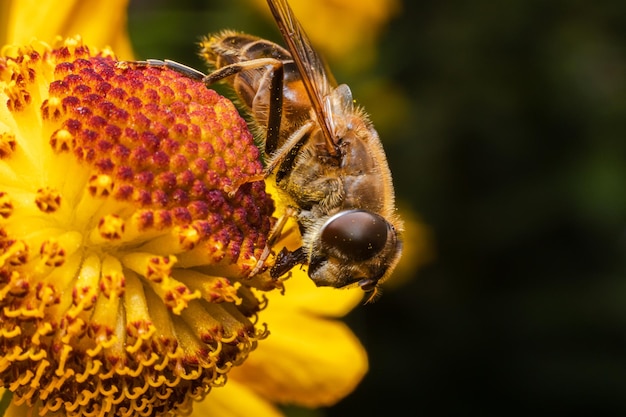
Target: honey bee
x,y
321,149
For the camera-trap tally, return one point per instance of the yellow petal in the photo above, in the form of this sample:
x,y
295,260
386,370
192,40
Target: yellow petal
x,y
234,400
355,25
304,296
100,23
307,360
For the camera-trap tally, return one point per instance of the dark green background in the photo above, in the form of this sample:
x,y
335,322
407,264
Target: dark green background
x,y
513,151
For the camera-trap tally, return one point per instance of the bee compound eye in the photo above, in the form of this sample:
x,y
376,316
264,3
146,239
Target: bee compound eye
x,y
357,234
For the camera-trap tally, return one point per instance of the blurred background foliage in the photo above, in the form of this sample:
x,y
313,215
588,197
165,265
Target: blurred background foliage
x,y
505,125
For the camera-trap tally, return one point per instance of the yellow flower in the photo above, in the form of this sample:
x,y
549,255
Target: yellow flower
x,y
121,293
124,205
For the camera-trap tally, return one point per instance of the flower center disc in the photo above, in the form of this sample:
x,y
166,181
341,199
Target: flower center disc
x,y
129,221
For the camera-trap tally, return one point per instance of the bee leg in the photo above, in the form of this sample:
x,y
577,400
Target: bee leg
x,y
286,260
284,158
272,238
275,108
189,72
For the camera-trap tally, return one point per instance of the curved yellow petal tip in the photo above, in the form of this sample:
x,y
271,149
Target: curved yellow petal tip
x,y
307,361
304,296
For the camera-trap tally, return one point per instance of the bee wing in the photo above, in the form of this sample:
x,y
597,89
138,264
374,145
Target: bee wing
x,y
317,81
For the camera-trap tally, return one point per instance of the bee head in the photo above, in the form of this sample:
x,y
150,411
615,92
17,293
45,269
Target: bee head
x,y
354,247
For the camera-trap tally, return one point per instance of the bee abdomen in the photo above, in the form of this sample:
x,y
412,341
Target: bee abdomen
x,y
249,64
230,47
